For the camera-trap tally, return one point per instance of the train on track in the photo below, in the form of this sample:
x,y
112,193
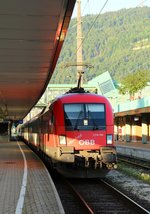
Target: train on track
x,y
75,132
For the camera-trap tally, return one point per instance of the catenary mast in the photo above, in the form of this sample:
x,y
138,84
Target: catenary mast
x,y
79,45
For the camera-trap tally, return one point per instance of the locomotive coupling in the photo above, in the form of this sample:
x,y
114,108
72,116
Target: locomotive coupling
x,y
88,159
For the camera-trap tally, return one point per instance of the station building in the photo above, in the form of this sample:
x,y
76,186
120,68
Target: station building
x,y
132,120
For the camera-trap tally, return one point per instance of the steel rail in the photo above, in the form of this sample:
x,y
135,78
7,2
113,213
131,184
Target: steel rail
x,y
80,198
134,204
134,163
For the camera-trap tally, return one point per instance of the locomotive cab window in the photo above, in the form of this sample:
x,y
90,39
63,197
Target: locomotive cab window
x,y
87,116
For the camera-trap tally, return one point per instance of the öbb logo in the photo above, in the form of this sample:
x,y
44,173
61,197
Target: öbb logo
x,y
87,142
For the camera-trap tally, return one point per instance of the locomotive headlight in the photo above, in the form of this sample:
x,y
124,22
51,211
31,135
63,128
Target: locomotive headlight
x,y
109,139
62,140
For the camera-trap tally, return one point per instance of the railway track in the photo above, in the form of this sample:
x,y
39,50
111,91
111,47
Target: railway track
x,y
135,162
94,196
87,196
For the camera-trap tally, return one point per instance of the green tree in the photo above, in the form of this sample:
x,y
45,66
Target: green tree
x,y
134,82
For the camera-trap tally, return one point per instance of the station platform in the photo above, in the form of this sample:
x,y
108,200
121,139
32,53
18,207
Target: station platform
x,y
25,184
134,149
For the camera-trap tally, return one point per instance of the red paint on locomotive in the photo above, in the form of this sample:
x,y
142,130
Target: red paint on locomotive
x,y
76,129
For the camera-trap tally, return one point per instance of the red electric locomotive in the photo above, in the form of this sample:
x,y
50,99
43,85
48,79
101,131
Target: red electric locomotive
x,y
76,133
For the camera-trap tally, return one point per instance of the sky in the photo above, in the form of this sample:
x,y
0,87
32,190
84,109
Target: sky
x,y
95,6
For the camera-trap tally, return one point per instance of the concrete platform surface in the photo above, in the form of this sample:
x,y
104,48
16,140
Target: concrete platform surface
x,y
25,185
134,149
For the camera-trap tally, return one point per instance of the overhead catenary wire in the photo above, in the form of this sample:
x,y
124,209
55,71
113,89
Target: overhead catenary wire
x,y
97,16
94,22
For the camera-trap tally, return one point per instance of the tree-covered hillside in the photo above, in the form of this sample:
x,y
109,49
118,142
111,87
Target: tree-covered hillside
x,y
119,42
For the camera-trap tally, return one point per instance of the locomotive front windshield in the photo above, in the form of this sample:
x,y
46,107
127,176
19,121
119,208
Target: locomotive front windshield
x,y
85,116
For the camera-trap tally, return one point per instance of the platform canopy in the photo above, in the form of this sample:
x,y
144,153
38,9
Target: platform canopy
x,y
31,36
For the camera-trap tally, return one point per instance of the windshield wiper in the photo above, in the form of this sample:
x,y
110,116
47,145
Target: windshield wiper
x,y
76,125
95,126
